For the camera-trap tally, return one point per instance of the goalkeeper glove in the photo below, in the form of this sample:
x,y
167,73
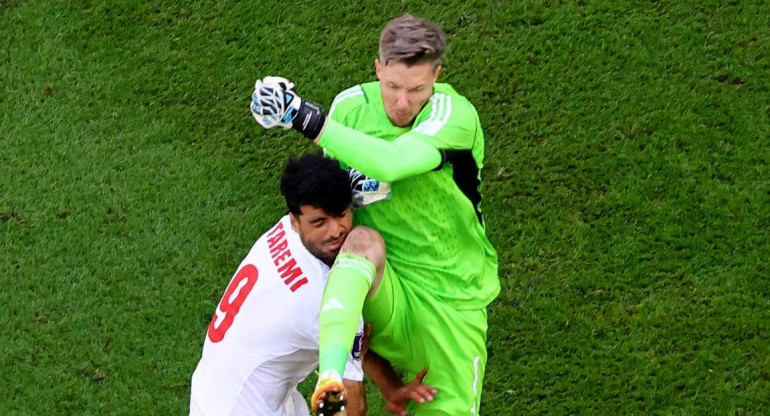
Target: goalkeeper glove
x,y
274,103
367,190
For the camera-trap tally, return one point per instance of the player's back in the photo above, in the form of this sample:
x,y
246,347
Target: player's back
x,y
263,339
432,225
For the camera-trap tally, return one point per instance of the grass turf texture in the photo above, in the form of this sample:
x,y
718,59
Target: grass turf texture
x,y
627,191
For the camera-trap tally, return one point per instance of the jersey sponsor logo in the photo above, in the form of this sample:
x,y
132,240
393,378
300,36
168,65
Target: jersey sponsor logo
x,y
358,345
287,267
235,294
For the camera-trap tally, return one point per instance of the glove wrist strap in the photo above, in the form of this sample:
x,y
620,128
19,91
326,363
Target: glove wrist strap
x,y
310,119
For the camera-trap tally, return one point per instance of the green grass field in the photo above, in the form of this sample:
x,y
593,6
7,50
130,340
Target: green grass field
x,y
626,187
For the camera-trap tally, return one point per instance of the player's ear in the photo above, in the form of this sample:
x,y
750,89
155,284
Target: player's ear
x,y
377,67
436,72
294,222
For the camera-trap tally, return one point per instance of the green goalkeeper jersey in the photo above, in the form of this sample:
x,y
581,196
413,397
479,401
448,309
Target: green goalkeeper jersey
x,y
432,224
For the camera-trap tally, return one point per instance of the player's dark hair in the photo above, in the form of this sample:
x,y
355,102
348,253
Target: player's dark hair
x,y
316,180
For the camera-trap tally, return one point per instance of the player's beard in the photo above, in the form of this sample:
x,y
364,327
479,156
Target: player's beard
x,y
320,250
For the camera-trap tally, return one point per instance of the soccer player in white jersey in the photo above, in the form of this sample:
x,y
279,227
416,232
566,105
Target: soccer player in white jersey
x,y
263,338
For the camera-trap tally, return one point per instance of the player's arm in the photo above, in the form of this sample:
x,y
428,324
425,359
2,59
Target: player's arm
x,y
408,155
275,104
396,393
356,397
452,125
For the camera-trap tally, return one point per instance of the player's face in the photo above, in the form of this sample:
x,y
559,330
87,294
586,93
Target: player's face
x,y
405,89
322,234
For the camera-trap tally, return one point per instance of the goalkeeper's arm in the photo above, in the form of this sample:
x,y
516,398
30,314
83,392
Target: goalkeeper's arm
x,y
276,104
406,156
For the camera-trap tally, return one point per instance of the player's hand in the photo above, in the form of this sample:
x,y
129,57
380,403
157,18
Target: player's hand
x,y
274,103
330,396
366,190
415,390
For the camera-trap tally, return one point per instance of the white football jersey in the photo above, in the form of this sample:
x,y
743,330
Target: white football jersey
x,y
263,338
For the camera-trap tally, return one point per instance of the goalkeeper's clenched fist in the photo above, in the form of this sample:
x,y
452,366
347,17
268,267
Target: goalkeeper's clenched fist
x,y
274,103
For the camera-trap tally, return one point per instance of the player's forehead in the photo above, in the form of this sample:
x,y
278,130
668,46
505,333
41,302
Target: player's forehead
x,y
311,213
407,76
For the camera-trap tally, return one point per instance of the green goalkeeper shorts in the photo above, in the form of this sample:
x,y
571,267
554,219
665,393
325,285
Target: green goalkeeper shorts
x,y
414,331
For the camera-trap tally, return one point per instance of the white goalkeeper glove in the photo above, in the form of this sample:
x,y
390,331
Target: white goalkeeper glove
x,y
367,190
274,103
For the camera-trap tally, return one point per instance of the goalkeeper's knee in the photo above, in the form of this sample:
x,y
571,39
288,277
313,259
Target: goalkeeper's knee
x,y
367,243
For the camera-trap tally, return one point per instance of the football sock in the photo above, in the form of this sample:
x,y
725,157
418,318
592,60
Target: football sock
x,y
349,282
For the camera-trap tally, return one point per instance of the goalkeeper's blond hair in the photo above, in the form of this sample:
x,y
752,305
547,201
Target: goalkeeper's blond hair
x,y
412,41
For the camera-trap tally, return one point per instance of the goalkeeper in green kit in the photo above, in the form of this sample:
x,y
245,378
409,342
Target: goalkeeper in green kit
x,y
418,265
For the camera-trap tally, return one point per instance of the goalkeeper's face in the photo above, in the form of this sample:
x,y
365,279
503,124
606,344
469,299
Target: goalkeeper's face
x,y
322,233
405,89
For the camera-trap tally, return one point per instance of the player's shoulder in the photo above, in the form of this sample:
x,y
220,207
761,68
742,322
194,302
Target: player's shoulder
x,y
280,252
445,94
446,108
351,98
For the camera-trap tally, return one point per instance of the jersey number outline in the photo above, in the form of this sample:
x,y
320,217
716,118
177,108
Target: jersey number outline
x,y
242,283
